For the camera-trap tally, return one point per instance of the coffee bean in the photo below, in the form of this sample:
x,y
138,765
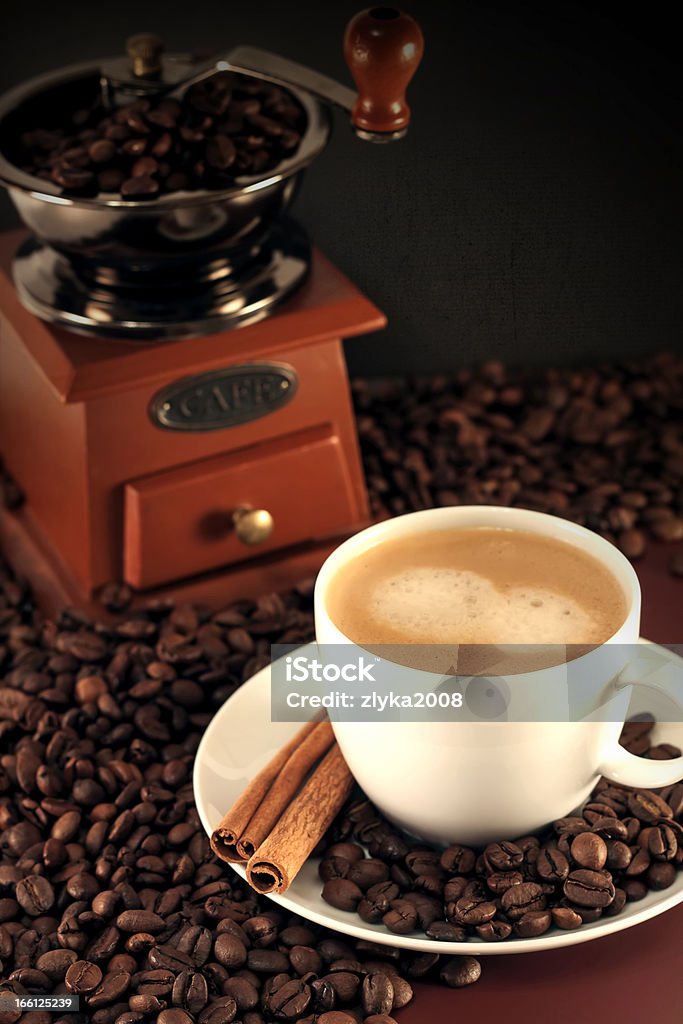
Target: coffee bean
x,y
377,995
522,899
459,971
140,187
290,1001
589,888
494,931
340,893
401,918
661,875
552,865
35,895
111,988
610,828
660,841
157,982
533,923
220,152
503,856
190,991
267,961
177,1016
56,962
365,873
647,806
245,994
566,918
230,951
588,850
634,889
618,856
140,921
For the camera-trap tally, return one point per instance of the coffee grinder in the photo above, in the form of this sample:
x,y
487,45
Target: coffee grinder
x,y
174,401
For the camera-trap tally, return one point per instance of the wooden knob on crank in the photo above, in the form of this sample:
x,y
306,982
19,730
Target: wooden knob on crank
x,y
383,48
253,525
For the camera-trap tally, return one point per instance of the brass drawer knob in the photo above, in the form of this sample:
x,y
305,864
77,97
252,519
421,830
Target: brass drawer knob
x,y
253,525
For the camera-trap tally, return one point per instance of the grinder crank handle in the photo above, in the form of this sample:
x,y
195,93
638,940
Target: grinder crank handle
x,y
382,47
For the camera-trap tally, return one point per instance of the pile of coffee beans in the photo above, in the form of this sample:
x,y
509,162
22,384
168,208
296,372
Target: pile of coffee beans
x,y
108,887
601,446
624,843
226,127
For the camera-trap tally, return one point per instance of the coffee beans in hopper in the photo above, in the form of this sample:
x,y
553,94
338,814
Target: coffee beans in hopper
x,y
224,128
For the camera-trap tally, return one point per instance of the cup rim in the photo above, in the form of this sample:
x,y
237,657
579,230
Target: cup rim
x,y
519,518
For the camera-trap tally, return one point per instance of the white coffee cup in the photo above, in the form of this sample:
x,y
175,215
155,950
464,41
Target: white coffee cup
x,y
478,781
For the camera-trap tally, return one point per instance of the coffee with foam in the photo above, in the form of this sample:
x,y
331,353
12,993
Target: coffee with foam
x,y
474,587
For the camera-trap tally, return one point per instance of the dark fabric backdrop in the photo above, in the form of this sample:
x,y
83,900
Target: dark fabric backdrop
x,y
535,211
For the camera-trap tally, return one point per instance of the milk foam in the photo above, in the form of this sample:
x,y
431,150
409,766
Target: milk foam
x,y
437,605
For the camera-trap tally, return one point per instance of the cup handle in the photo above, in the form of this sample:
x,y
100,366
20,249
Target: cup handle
x,y
630,770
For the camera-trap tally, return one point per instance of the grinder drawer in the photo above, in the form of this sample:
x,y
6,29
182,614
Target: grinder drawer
x,y
183,522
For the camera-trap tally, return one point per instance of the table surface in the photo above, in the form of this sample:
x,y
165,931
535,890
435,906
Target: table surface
x,y
633,976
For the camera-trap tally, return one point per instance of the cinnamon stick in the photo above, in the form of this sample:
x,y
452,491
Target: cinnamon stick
x,y
284,788
278,859
224,838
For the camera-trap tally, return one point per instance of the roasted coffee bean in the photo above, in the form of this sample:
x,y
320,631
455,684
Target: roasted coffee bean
x,y
140,187
345,984
342,894
367,872
639,863
503,856
377,994
471,910
617,904
494,931
618,856
457,860
445,931
566,918
56,962
533,923
221,1011
552,865
166,957
35,895
459,971
661,875
245,994
587,888
634,889
588,850
230,951
178,1016
290,1001
267,961
333,867
111,988
647,806
190,991
660,841
522,899
401,918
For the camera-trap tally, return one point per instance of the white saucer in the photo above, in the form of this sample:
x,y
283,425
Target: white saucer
x,y
241,739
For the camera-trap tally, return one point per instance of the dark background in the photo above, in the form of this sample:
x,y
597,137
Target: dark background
x,y
535,211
